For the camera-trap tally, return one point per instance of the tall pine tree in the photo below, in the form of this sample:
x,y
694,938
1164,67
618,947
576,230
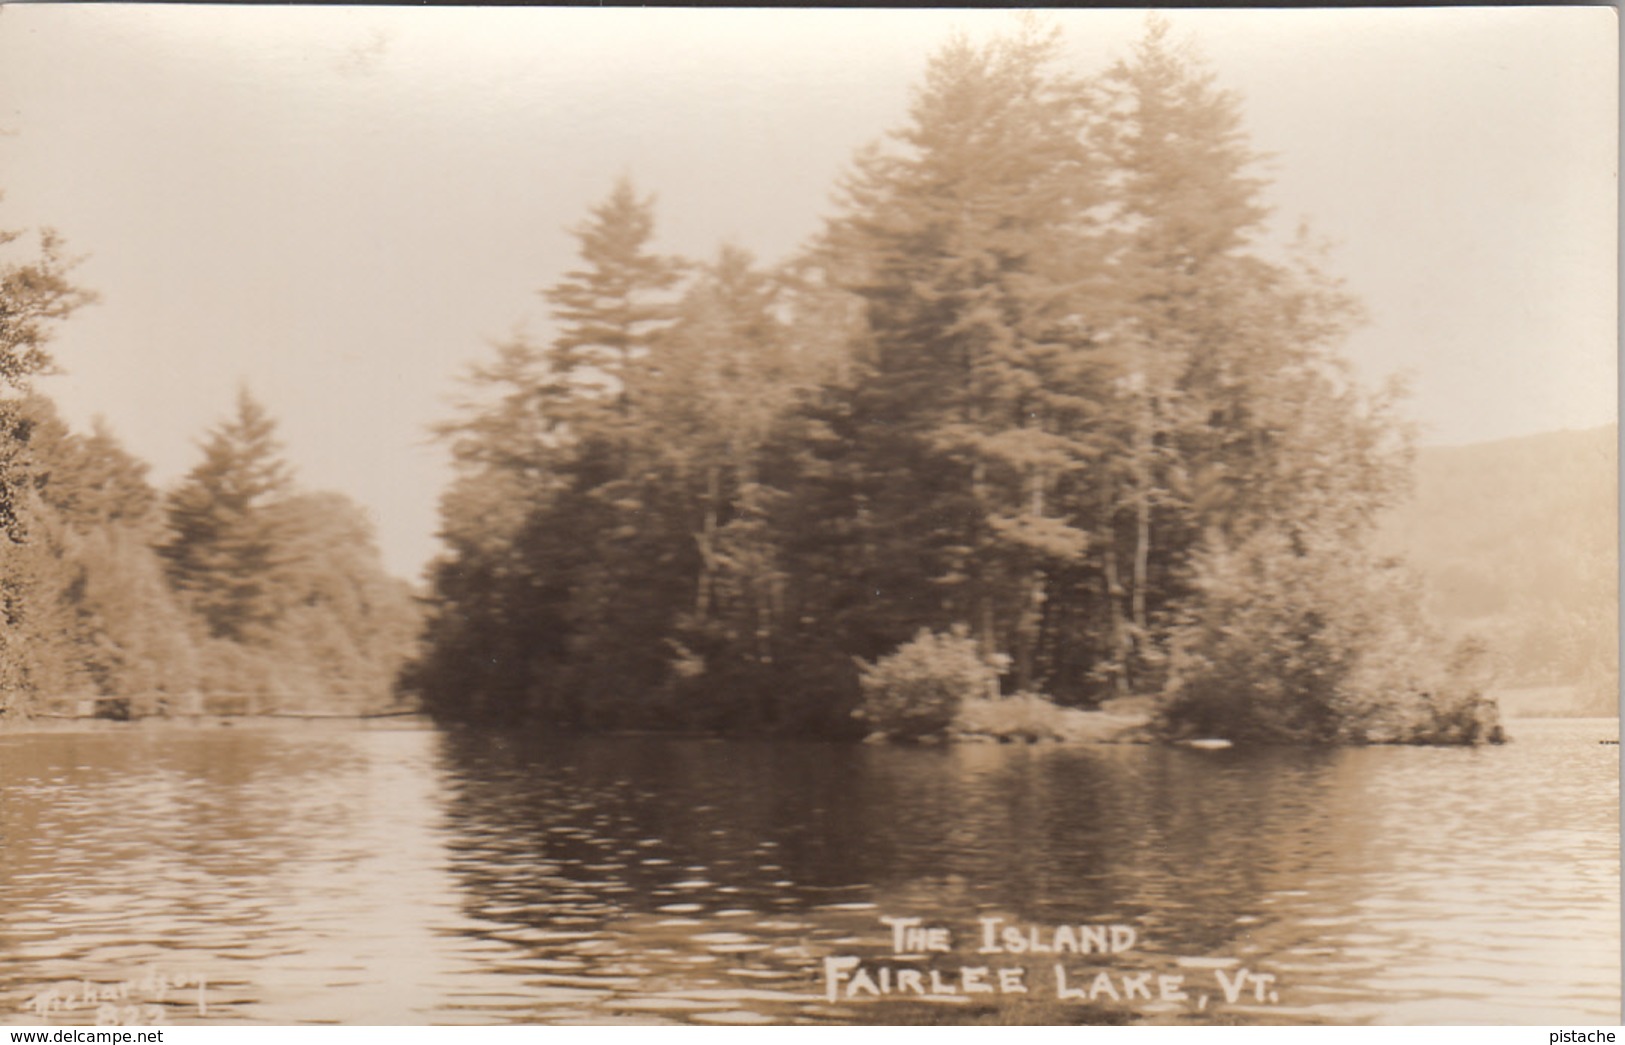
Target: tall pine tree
x,y
610,310
973,251
555,513
223,539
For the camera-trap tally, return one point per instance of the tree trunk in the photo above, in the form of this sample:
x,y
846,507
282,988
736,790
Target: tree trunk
x,y
986,637
1114,594
1142,523
706,539
1032,612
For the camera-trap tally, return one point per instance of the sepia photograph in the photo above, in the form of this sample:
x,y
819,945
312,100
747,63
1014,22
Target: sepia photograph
x,y
767,517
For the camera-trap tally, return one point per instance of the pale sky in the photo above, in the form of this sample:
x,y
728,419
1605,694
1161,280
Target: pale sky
x,y
342,207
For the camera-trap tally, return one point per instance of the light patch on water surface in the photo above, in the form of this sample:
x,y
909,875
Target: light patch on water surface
x,y
738,1017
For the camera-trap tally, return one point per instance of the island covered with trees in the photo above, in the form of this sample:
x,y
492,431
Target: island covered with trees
x,y
1042,422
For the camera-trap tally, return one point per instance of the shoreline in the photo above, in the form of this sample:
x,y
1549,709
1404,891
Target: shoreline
x,y
90,724
1121,737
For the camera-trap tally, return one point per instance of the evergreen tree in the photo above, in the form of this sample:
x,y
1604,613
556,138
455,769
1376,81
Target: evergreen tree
x,y
294,603
553,517
1184,207
611,310
726,376
92,480
616,575
1227,384
221,552
974,253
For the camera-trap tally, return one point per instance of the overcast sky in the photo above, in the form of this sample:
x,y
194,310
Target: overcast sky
x,y
341,207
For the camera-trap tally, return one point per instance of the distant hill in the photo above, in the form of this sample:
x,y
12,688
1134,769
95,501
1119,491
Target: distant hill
x,y
1517,543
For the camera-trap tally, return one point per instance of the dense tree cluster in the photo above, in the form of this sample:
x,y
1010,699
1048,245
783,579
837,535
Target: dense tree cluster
x,y
231,592
1039,379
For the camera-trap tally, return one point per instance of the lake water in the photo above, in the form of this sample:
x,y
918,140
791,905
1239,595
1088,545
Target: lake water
x,y
388,875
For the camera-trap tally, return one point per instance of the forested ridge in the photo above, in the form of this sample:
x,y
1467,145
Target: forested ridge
x,y
1042,398
1517,542
232,592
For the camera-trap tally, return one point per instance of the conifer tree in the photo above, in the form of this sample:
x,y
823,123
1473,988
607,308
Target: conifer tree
x,y
725,377
611,309
552,520
593,541
973,246
294,604
222,545
1184,206
1225,369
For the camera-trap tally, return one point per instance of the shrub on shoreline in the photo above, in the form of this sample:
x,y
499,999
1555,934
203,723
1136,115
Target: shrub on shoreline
x,y
916,691
1298,641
